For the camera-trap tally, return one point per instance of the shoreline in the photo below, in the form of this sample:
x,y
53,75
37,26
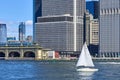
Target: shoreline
x,y
95,59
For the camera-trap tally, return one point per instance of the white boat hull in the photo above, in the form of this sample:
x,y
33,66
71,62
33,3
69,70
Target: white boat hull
x,y
87,69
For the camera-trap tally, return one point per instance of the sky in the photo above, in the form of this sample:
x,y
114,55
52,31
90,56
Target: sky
x,y
12,12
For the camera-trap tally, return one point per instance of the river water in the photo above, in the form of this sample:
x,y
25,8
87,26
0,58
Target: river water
x,y
37,70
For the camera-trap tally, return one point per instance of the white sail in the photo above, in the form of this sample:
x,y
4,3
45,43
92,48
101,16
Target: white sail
x,y
85,58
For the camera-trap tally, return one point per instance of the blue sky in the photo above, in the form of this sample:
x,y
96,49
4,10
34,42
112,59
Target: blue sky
x,y
14,11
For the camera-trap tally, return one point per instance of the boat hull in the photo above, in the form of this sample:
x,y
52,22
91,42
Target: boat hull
x,y
87,69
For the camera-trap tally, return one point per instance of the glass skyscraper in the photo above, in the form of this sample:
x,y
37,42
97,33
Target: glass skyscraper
x,y
110,28
60,27
37,4
3,33
22,31
93,8
37,12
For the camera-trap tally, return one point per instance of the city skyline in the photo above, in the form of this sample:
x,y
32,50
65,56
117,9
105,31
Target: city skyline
x,y
17,14
13,13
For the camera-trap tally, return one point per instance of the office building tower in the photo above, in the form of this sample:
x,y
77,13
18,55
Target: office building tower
x,y
37,4
29,39
37,12
60,27
91,29
93,8
22,31
109,28
94,37
88,18
92,33
3,33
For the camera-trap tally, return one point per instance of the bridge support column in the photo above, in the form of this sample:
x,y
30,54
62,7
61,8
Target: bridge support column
x,y
21,53
38,54
6,54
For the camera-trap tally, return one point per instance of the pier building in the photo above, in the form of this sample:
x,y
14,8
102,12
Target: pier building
x,y
22,51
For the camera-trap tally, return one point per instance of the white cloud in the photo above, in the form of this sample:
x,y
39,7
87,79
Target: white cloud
x,y
9,23
29,23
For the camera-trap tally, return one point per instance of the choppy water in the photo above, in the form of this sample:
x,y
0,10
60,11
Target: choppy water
x,y
36,70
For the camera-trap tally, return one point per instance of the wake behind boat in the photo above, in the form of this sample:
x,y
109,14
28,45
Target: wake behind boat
x,y
85,62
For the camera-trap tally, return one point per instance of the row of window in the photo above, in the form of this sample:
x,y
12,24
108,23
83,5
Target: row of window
x,y
53,19
110,11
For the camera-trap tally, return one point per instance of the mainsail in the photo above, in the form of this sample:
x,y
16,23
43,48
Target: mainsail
x,y
85,58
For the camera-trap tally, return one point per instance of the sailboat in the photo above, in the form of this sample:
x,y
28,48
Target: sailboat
x,y
85,62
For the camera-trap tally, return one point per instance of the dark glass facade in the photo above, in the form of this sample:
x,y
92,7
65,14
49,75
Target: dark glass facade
x,y
22,31
37,5
3,33
93,8
37,12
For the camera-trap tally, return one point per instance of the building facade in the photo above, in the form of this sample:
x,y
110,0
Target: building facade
x,y
37,4
109,28
29,39
3,33
93,8
88,18
37,12
91,29
60,27
22,31
92,33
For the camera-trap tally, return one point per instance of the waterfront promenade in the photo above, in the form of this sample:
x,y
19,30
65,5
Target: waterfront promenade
x,y
95,59
106,59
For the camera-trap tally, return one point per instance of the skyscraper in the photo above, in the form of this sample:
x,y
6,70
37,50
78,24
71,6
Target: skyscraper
x,y
109,28
22,31
37,4
37,12
60,27
3,33
93,8
92,33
